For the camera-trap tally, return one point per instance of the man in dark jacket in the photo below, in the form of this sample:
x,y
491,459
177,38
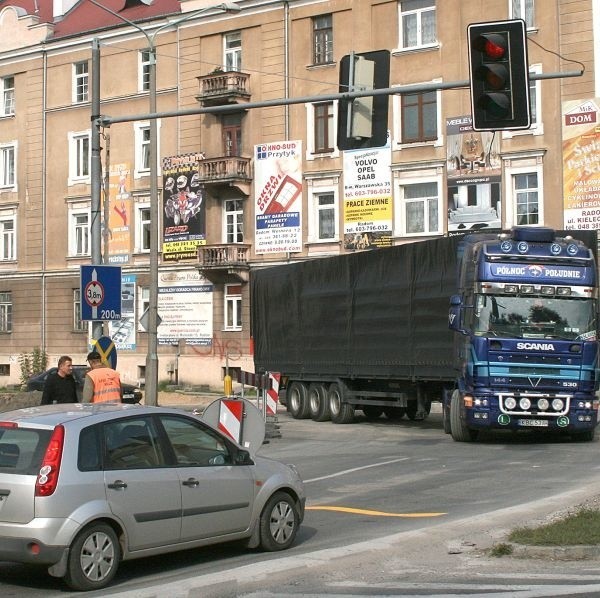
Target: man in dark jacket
x,y
60,386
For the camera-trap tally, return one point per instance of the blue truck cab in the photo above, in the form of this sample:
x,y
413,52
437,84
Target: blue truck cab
x,y
526,350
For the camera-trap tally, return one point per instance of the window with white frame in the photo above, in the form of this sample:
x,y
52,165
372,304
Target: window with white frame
x,y
81,81
233,307
7,100
8,165
8,239
523,9
232,51
233,221
420,207
79,325
6,311
79,157
145,57
323,224
142,228
79,232
526,197
143,305
417,24
322,39
142,148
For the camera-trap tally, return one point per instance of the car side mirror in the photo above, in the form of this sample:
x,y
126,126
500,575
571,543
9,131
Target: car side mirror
x,y
455,315
243,458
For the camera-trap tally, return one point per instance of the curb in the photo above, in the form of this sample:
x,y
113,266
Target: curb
x,y
558,553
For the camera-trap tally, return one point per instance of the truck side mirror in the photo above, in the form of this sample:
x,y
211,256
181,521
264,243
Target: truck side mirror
x,y
455,315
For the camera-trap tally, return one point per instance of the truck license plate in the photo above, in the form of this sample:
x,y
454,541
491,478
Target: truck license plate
x,y
534,423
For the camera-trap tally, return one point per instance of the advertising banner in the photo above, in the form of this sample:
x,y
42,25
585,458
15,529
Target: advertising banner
x,y
185,306
474,170
122,332
184,209
278,189
119,222
368,214
581,164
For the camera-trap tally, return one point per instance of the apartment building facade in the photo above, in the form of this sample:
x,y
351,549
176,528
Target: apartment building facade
x,y
242,186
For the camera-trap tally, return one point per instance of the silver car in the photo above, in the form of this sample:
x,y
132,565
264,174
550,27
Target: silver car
x,y
84,486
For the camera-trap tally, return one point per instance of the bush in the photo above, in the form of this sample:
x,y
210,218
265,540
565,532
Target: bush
x,y
32,363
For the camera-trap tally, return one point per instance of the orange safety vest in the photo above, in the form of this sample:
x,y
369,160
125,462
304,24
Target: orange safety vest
x,y
107,385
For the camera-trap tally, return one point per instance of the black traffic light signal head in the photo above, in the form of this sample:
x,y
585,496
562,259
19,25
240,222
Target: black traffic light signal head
x,y
499,74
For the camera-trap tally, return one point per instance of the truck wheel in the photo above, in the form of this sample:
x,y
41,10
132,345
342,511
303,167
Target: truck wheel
x,y
297,398
318,402
341,412
446,419
372,411
395,413
412,411
459,430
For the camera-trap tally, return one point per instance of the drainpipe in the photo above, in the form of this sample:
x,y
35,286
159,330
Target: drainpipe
x,y
286,66
44,202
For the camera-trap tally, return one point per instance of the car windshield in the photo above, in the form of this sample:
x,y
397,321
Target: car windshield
x,y
535,317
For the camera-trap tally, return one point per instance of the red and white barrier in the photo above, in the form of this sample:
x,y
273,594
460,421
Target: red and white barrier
x,y
230,418
273,393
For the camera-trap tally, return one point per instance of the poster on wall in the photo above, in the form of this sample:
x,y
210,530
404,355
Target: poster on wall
x,y
119,220
184,207
278,194
185,306
122,331
581,164
474,171
368,201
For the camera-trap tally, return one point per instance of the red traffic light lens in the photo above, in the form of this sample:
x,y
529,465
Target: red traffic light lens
x,y
493,45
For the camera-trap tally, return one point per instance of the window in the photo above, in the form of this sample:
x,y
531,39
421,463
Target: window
x,y
523,9
419,117
527,198
143,305
7,101
323,132
79,157
142,228
8,156
234,221
80,82
8,241
78,324
233,307
232,135
420,211
6,311
417,23
132,444
324,208
322,39
144,70
142,148
79,233
232,51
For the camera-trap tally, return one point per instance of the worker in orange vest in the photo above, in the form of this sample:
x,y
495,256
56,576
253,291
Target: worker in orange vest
x,y
102,384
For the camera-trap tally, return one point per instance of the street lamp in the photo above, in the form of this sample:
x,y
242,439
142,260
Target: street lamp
x,y
151,377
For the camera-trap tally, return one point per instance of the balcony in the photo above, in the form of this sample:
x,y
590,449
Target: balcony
x,y
224,264
224,87
228,171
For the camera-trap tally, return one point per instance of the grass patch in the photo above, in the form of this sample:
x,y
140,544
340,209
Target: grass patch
x,y
582,527
501,549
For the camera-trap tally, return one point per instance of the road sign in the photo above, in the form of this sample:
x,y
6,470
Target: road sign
x,y
108,352
100,293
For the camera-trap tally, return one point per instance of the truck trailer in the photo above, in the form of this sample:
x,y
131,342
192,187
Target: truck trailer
x,y
372,331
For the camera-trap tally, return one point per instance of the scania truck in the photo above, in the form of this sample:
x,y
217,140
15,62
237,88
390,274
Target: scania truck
x,y
370,331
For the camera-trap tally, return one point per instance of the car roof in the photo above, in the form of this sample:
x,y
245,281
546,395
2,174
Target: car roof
x,y
53,415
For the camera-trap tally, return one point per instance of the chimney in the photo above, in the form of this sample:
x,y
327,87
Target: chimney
x,y
60,7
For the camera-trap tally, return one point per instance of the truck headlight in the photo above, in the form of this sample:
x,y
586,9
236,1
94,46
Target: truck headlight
x,y
525,403
558,404
510,403
543,404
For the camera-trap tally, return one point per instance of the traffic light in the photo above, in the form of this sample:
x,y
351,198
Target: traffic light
x,y
363,121
499,74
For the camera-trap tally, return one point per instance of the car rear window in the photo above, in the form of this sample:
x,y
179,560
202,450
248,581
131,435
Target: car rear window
x,y
22,450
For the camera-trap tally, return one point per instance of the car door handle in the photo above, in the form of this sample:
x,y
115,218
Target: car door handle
x,y
191,482
118,485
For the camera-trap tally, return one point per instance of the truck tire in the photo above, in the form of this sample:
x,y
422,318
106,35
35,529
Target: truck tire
x,y
446,418
459,430
412,411
372,411
394,413
318,402
297,399
341,412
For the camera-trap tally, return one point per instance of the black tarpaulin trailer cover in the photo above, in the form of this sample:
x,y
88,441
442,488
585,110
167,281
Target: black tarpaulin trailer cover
x,y
375,314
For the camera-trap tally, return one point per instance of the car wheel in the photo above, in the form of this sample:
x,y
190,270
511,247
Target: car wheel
x,y
278,522
93,558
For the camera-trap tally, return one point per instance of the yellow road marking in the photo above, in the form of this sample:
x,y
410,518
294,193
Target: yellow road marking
x,y
374,513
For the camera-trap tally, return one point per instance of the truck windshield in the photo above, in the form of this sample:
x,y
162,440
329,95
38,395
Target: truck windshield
x,y
535,317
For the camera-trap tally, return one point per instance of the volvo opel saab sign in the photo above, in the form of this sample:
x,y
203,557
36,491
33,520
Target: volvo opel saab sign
x,y
100,293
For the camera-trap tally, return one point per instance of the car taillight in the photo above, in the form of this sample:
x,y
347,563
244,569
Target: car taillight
x,y
46,481
9,425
